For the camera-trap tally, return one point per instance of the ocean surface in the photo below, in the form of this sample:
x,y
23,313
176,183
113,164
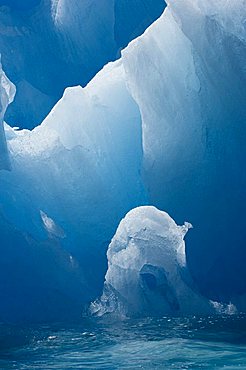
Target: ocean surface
x,y
217,342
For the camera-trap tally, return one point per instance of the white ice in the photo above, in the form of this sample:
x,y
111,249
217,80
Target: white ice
x,y
7,93
147,273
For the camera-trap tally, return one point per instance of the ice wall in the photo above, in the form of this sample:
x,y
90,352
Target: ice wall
x,y
7,92
187,75
72,180
147,272
172,108
47,45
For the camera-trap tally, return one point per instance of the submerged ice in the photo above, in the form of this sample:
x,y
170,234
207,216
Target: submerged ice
x,y
164,125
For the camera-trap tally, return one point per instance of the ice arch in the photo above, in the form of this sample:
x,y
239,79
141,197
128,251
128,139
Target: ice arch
x,y
147,273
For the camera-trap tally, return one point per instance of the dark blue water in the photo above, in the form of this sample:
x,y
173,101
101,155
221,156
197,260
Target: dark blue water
x,y
167,343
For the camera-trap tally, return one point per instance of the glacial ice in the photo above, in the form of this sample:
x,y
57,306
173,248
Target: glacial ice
x,y
47,45
72,180
147,273
7,93
164,125
191,93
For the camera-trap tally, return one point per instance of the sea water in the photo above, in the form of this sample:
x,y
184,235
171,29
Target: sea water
x,y
212,342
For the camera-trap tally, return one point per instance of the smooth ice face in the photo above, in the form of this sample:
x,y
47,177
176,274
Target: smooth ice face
x,y
190,90
147,273
7,93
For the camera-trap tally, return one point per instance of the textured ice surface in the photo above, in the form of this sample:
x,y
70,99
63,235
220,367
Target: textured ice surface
x,y
73,178
47,45
175,101
190,90
147,272
7,93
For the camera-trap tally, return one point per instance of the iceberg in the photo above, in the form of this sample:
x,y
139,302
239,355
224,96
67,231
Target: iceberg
x,y
147,273
164,125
